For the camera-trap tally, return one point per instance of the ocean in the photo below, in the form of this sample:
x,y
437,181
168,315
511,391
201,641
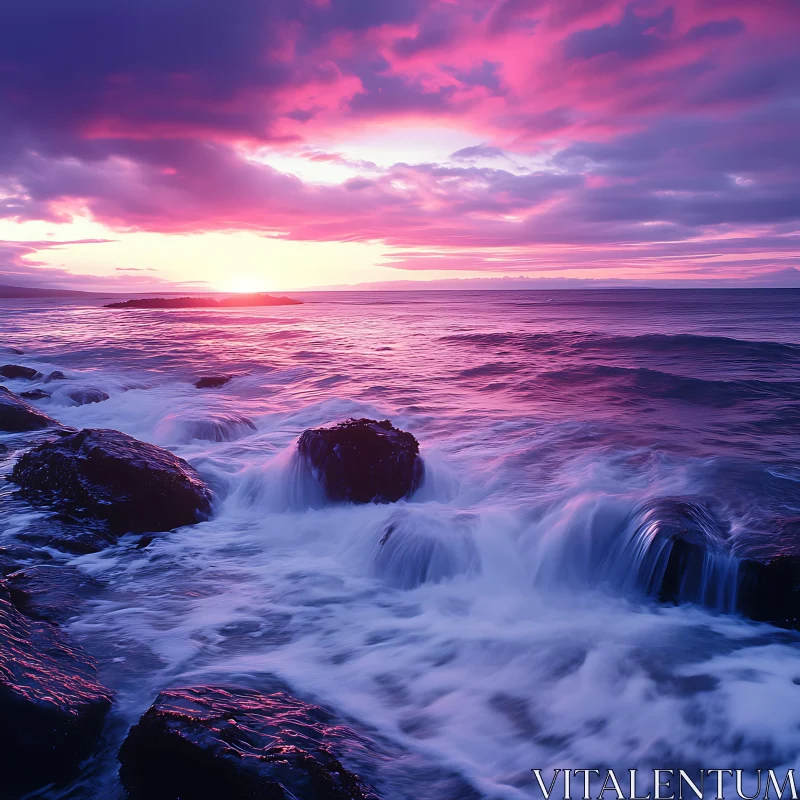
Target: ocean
x,y
514,629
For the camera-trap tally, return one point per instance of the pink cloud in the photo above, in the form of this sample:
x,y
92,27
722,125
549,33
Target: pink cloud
x,y
652,124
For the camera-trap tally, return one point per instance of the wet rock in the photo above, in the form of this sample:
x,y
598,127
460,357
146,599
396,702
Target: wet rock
x,y
363,461
68,534
416,548
83,397
15,350
770,591
35,394
686,558
208,742
52,706
110,476
12,371
56,375
217,428
15,555
50,592
212,381
682,550
16,415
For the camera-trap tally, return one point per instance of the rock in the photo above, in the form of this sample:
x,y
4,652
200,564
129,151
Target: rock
x,y
83,397
363,461
50,592
68,534
682,553
416,547
216,428
685,557
15,350
12,371
107,475
14,555
35,394
57,375
770,591
16,415
52,706
212,381
206,743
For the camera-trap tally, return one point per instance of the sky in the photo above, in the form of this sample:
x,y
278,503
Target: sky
x,y
243,145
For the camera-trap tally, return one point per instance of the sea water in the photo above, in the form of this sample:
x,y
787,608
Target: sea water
x,y
503,625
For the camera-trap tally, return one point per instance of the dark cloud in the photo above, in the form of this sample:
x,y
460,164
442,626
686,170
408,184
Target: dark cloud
x,y
634,37
652,124
716,29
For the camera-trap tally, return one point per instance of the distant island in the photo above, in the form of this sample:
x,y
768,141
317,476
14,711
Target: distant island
x,y
238,301
32,292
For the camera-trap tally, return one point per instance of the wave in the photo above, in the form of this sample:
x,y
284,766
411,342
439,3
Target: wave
x,y
623,385
678,345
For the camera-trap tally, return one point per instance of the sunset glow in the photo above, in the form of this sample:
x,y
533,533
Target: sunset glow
x,y
298,144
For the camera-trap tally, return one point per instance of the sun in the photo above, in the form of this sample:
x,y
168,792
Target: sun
x,y
244,284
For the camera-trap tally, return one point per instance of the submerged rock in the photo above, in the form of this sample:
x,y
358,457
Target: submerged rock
x,y
217,428
363,461
56,375
12,371
52,706
15,555
416,548
50,592
68,534
683,554
208,742
83,397
35,394
212,381
16,415
110,476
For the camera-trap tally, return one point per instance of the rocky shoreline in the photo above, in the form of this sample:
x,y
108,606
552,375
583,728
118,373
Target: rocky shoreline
x,y
203,741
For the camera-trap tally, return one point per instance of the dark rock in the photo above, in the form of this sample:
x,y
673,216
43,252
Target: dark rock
x,y
770,591
76,537
14,555
52,706
16,415
107,475
3,449
684,551
35,394
212,381
686,558
12,371
363,461
207,743
50,592
57,375
15,350
83,397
